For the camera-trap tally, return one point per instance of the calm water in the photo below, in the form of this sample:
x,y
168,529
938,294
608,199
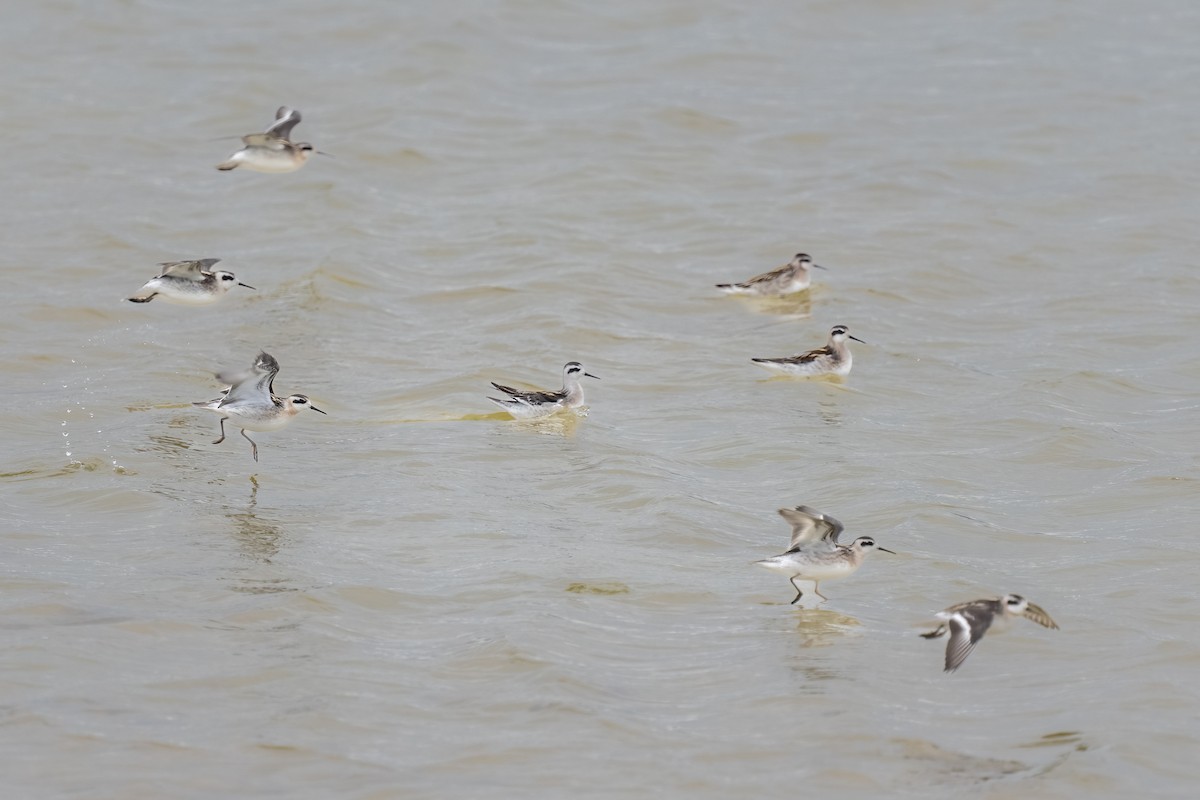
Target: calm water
x,y
414,598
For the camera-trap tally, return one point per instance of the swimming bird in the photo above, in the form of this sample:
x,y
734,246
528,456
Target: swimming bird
x,y
251,402
529,405
188,283
968,622
792,277
814,554
272,151
832,359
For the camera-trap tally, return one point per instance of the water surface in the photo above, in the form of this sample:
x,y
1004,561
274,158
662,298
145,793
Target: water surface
x,y
413,598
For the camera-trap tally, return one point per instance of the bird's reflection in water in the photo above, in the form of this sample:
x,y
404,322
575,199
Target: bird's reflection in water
x,y
816,628
796,306
259,540
564,423
821,628
928,764
829,412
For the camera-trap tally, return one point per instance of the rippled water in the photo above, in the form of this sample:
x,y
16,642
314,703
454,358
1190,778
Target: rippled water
x,y
412,597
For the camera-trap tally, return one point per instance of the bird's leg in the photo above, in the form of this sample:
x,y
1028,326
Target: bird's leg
x,y
799,593
935,633
253,446
218,441
817,591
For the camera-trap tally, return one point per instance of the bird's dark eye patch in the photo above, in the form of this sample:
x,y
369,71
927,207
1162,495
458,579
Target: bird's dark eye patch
x,y
299,401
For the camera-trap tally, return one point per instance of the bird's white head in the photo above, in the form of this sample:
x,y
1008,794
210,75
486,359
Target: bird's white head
x,y
865,543
573,371
1015,604
840,333
226,280
298,402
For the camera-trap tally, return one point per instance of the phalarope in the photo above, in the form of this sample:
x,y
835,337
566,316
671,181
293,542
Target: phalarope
x,y
188,283
252,403
815,554
832,359
792,277
528,405
968,622
271,150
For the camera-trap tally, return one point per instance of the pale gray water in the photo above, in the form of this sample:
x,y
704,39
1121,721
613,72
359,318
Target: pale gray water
x,y
416,599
